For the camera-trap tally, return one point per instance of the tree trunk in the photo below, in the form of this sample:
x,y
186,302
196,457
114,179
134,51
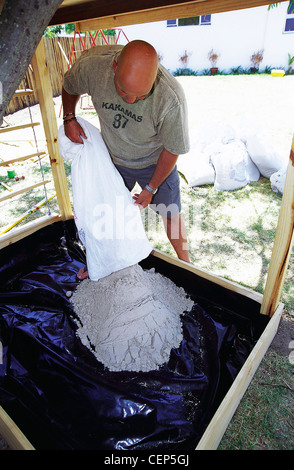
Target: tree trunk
x,y
22,24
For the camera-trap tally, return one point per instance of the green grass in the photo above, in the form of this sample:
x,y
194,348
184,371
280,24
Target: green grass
x,y
265,419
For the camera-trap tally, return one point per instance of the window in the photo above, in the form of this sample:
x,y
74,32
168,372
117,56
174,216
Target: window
x,y
191,21
194,20
289,24
206,19
171,23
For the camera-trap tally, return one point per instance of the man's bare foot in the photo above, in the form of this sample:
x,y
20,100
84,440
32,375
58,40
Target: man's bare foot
x,y
82,274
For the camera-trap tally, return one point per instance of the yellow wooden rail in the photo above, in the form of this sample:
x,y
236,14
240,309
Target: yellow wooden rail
x,y
19,93
13,435
21,159
25,230
23,190
16,128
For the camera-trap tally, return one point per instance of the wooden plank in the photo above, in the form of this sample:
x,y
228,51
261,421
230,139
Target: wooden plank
x,y
88,9
12,434
16,128
6,186
27,229
218,424
256,296
158,14
147,9
23,190
21,159
19,93
44,93
282,245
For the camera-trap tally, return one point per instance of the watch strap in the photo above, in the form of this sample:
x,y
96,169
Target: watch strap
x,y
151,190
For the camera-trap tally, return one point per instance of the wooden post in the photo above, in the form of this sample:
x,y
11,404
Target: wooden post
x,y
12,434
282,245
45,98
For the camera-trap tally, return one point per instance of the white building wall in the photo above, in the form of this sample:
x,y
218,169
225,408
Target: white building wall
x,y
234,35
277,43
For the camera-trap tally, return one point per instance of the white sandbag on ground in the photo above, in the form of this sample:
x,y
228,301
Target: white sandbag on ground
x,y
108,222
196,167
218,157
278,180
263,155
202,175
261,151
233,167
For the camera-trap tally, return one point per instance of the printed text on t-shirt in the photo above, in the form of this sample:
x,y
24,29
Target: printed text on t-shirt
x,y
120,119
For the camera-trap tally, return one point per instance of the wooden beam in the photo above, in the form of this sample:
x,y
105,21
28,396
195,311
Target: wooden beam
x,y
27,229
23,190
230,285
19,93
86,10
282,245
143,11
107,14
12,434
45,98
16,128
21,159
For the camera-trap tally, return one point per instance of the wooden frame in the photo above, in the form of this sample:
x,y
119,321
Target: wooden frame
x,y
269,302
89,14
13,435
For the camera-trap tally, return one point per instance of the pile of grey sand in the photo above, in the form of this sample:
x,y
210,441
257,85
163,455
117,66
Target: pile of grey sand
x,y
131,319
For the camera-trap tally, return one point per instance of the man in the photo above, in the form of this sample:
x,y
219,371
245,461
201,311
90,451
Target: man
x,y
143,121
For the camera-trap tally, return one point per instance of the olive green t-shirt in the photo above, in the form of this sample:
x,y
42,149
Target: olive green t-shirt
x,y
135,134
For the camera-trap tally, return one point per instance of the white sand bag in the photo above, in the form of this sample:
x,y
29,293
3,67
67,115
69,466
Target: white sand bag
x,y
278,180
267,160
108,222
195,165
233,167
202,175
196,168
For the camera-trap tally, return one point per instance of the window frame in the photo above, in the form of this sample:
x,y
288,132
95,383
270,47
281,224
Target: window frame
x,y
203,21
289,16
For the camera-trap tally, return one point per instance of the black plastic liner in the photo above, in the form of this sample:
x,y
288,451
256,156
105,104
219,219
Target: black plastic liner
x,y
62,398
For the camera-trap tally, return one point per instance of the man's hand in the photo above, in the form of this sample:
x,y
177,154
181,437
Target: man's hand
x,y
143,199
74,131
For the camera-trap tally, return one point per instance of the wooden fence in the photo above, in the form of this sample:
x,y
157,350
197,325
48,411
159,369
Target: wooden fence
x,y
58,51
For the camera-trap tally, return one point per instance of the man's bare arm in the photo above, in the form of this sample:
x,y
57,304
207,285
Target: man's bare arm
x,y
164,167
73,130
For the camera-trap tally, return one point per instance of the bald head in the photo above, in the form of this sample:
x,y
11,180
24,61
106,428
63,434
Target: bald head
x,y
135,71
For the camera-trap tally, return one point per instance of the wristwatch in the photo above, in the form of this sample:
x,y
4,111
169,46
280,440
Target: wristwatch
x,y
151,190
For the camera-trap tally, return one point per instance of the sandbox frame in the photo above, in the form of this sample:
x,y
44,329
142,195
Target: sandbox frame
x,y
103,16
